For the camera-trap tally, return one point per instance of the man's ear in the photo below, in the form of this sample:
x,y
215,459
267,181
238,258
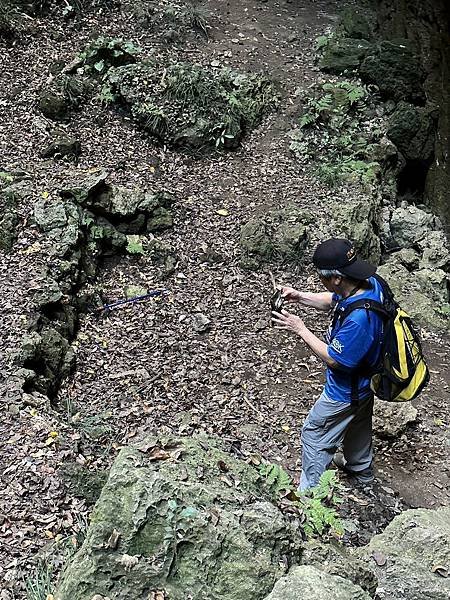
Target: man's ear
x,y
337,280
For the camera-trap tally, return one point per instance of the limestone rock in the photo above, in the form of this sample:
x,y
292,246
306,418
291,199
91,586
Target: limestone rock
x,y
359,220
62,145
436,250
409,224
411,129
343,54
181,528
390,419
306,582
201,323
280,234
191,105
414,543
335,559
412,296
394,68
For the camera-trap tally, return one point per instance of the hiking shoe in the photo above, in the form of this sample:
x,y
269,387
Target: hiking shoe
x,y
339,460
364,477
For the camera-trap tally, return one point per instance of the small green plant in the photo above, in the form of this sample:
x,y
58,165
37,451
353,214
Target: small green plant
x,y
103,53
276,478
5,179
317,504
134,245
336,133
38,585
318,507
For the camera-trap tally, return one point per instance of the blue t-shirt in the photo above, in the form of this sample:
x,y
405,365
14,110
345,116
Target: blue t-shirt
x,y
356,341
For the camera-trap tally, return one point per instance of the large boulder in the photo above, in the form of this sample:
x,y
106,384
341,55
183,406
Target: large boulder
x,y
411,129
306,582
186,519
411,557
343,54
280,234
394,68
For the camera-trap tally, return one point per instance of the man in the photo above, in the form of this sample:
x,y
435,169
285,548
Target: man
x,y
342,416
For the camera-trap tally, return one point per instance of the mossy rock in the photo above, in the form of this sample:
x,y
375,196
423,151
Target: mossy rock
x,y
354,24
278,235
412,130
395,70
191,106
343,54
184,517
63,94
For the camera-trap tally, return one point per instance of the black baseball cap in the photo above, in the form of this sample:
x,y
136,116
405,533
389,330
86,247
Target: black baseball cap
x,y
341,255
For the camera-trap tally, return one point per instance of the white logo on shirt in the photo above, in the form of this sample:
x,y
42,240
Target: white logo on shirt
x,y
336,345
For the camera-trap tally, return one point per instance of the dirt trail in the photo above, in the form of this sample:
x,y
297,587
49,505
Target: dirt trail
x,y
144,368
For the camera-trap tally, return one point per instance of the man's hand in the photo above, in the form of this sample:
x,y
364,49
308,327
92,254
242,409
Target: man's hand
x,y
289,294
288,321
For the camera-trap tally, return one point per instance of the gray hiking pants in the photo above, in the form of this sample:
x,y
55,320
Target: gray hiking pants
x,y
331,424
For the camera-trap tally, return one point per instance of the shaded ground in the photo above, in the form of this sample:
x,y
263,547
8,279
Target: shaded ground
x,y
144,368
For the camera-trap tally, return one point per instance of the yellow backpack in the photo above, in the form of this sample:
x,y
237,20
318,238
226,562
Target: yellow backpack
x,y
401,372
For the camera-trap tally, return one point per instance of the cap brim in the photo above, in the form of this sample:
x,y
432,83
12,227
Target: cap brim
x,y
360,269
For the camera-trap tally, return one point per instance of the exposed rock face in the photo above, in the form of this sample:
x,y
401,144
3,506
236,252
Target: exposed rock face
x,y
414,545
281,234
335,559
359,221
186,518
426,23
412,130
413,296
395,69
306,582
90,221
344,54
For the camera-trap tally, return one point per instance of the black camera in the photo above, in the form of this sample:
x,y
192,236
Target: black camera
x,y
277,301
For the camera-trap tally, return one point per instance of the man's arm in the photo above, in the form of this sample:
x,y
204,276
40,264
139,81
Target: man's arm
x,y
320,301
293,323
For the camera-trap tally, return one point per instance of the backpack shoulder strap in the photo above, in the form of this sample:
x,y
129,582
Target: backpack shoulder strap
x,y
372,305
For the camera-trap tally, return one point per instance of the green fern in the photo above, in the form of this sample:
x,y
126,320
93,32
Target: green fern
x,y
276,478
318,507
